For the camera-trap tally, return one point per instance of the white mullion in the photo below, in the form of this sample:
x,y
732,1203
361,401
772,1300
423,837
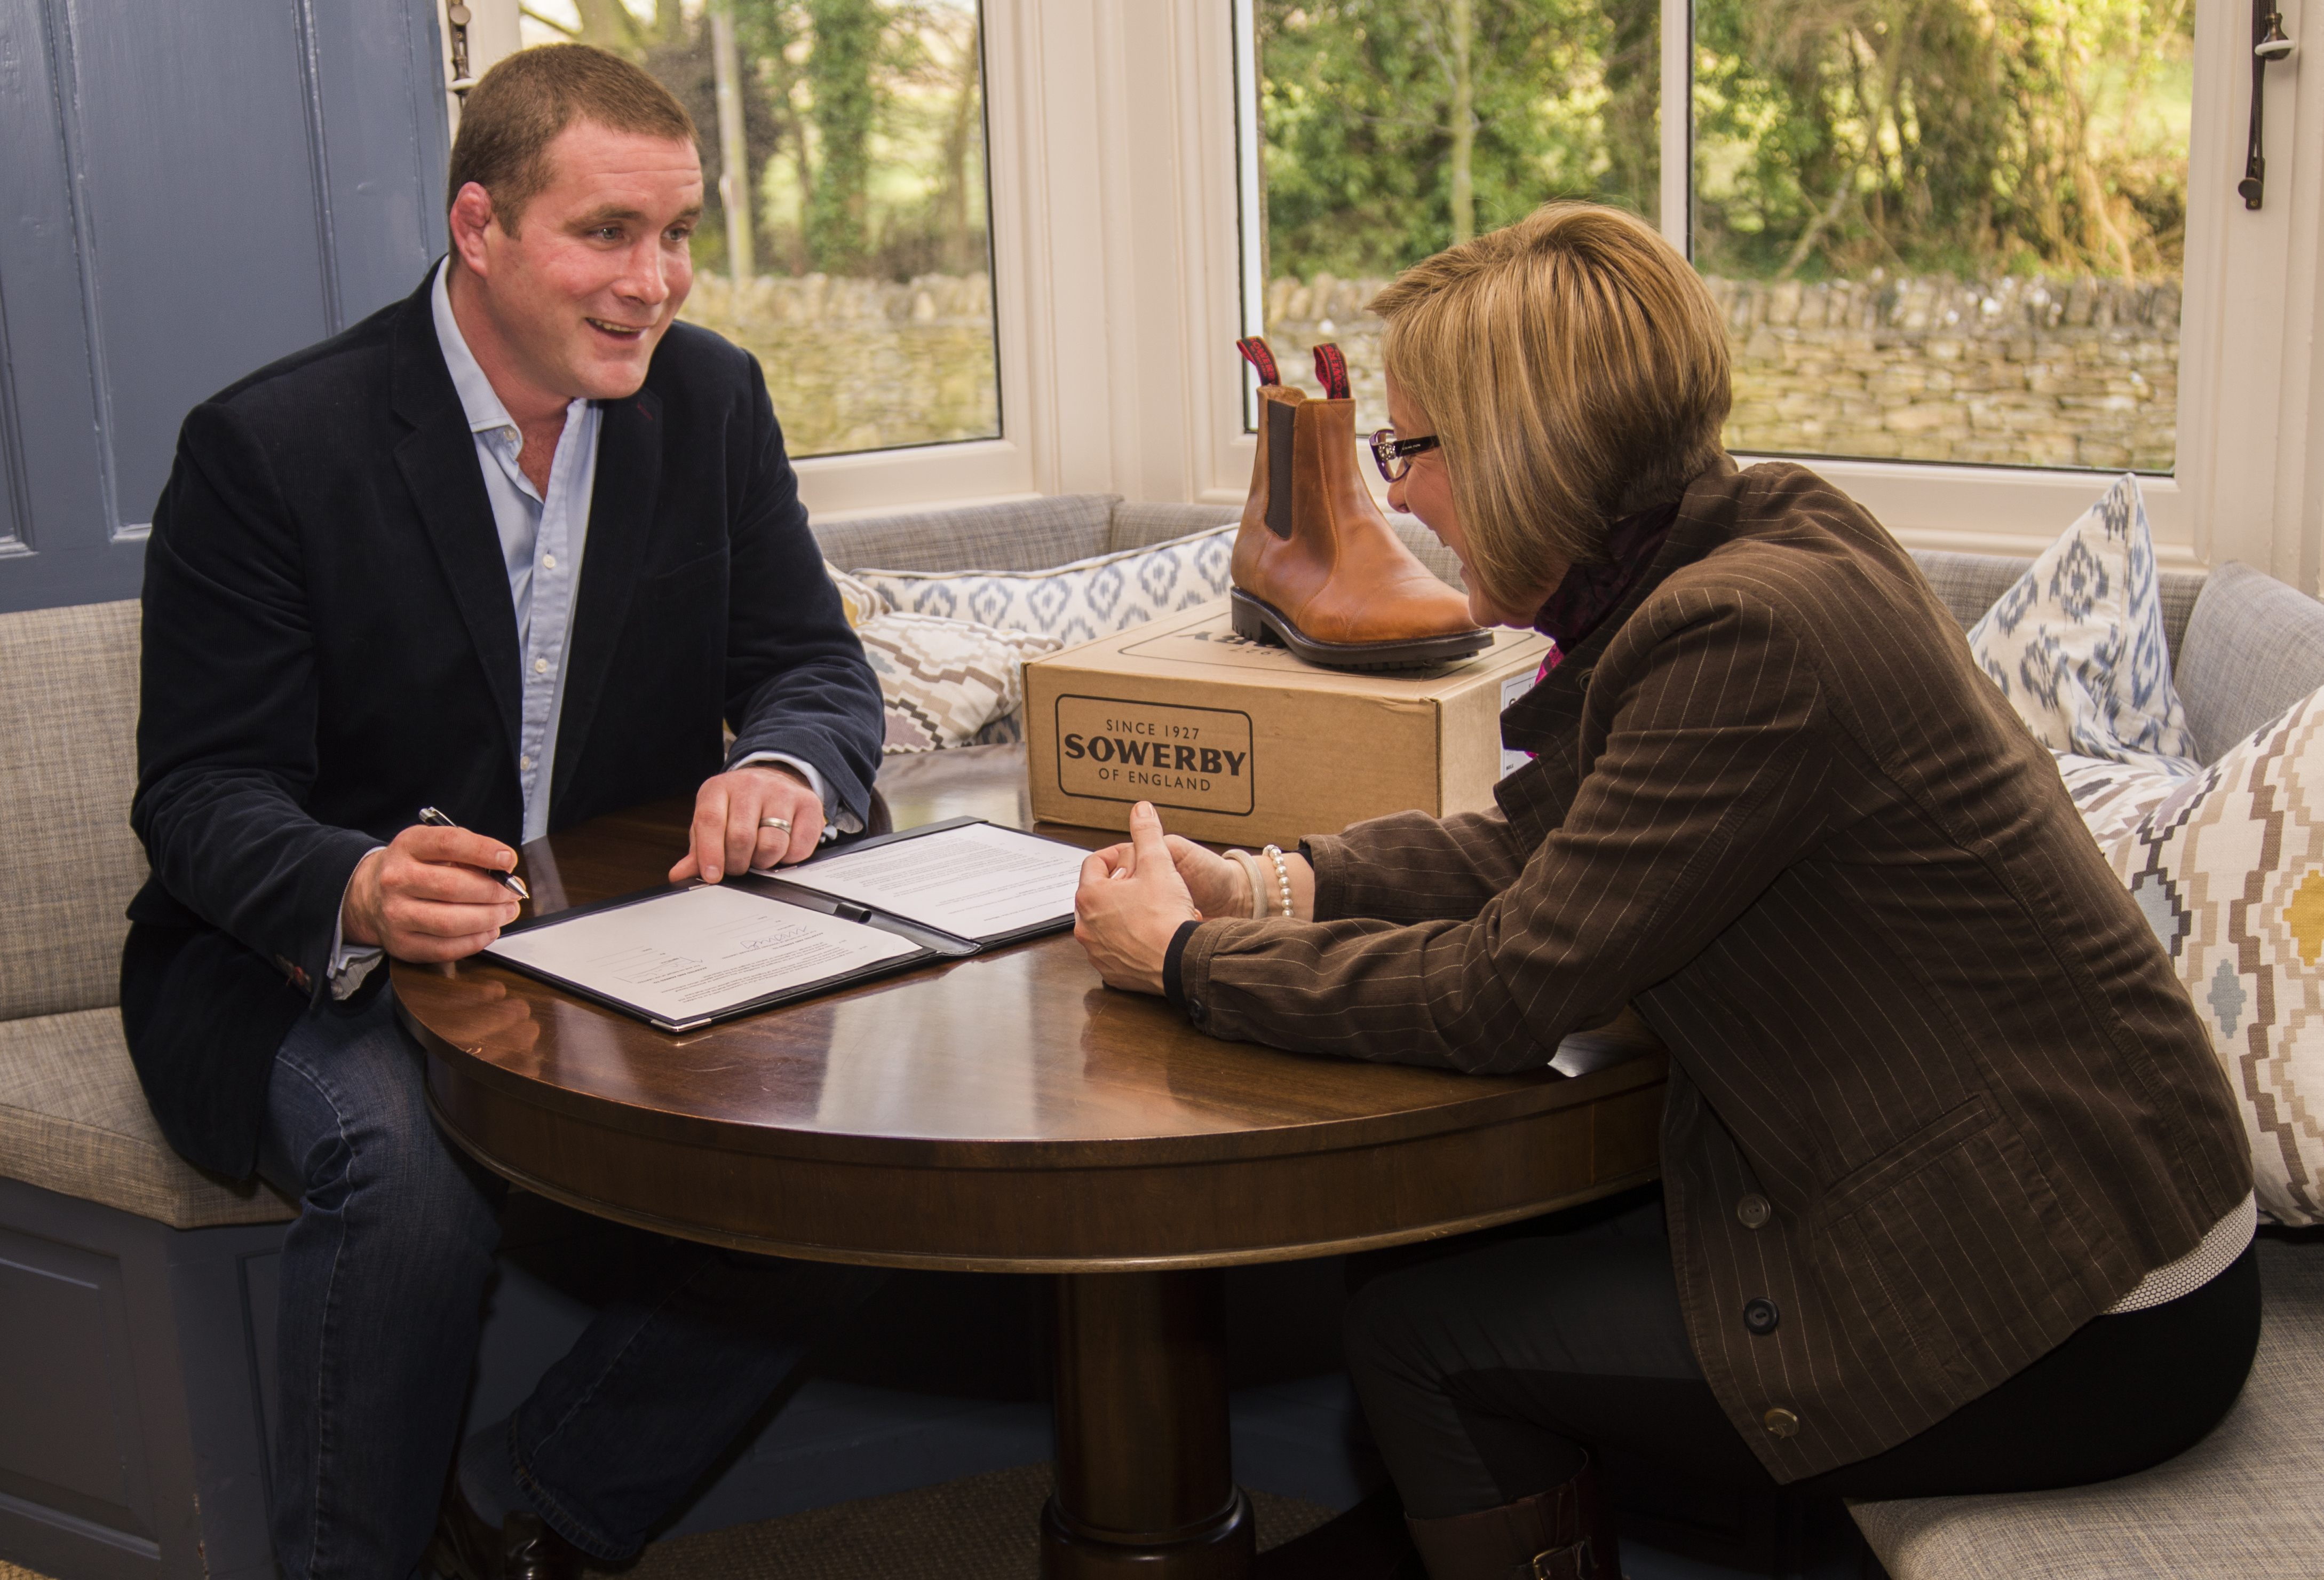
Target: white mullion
x,y
1247,172
1677,118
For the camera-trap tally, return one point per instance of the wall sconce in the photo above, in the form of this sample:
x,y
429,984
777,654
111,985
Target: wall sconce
x,y
457,15
2269,42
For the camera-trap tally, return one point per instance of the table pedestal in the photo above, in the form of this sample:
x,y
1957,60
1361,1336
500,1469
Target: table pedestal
x,y
1144,1478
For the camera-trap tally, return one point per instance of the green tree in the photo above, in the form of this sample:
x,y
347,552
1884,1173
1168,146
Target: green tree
x,y
1393,129
1961,134
840,75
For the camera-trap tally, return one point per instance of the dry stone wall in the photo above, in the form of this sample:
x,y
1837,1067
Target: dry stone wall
x,y
864,364
2026,372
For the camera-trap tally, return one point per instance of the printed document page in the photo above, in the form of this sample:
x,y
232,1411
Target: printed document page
x,y
698,952
978,881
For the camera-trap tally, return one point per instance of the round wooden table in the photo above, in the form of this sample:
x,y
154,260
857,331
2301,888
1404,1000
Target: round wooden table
x,y
1006,1112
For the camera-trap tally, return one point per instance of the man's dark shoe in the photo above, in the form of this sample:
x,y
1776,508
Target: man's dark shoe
x,y
465,1547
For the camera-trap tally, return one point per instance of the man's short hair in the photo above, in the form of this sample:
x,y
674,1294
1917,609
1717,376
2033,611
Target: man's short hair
x,y
519,107
1575,368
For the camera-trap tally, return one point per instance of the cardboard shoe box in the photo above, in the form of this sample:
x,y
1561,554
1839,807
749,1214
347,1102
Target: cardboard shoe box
x,y
1243,743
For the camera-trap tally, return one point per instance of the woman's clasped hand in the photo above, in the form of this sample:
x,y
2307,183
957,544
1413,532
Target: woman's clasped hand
x,y
1134,896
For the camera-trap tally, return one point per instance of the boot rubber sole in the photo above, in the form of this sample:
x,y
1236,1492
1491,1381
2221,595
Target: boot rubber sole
x,y
1256,619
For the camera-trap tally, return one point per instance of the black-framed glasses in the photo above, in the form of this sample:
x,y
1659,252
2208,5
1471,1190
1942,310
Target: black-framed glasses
x,y
1395,455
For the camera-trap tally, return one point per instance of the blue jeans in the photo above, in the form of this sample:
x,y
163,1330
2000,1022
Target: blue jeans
x,y
382,1283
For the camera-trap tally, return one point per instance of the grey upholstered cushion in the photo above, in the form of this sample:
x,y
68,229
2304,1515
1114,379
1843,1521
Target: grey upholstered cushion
x,y
1969,584
1136,526
73,1120
2253,647
72,1117
67,762
1425,545
2239,1505
1019,534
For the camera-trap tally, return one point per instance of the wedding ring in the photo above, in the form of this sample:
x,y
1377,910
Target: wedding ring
x,y
783,824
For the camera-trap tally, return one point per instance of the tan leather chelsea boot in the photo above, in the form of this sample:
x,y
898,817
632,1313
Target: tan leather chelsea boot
x,y
1317,569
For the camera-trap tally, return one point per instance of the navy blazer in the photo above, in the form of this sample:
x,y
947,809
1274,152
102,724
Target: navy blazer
x,y
329,645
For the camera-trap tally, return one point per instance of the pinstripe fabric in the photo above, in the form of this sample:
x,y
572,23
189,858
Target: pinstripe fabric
x,y
1776,806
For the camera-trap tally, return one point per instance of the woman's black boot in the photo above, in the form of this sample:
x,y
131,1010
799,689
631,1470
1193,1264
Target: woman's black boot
x,y
1566,1533
1368,1542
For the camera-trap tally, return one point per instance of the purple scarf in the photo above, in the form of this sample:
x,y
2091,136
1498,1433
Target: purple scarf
x,y
1591,592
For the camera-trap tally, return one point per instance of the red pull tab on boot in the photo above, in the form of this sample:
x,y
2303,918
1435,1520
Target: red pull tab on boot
x,y
1332,372
1255,352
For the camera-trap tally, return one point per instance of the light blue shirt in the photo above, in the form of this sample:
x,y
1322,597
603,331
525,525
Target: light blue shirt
x,y
543,536
542,539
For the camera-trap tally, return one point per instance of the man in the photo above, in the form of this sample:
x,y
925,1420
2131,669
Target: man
x,y
513,548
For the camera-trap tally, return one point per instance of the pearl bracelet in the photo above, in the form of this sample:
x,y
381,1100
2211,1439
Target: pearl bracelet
x,y
1282,876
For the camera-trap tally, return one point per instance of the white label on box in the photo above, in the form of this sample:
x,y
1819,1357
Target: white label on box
x,y
1514,686
1197,758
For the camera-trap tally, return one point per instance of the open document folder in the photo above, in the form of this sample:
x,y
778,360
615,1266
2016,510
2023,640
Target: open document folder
x,y
679,958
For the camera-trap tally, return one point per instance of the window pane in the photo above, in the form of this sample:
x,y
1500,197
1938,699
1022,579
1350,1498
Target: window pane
x,y
1948,230
1390,129
858,129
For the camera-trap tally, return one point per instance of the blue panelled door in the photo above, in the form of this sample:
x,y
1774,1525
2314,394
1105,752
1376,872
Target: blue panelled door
x,y
187,190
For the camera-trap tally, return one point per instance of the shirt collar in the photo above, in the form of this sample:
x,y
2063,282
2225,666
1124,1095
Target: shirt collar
x,y
477,398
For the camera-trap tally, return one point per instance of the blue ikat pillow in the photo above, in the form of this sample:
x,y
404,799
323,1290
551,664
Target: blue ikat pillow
x,y
2076,644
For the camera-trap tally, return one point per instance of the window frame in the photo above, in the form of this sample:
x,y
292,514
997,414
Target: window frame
x,y
2240,489
1119,294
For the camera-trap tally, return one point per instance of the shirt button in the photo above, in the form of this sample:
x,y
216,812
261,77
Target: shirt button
x,y
1194,1009
525,764
548,562
1761,1316
509,434
1781,1423
1754,1211
541,665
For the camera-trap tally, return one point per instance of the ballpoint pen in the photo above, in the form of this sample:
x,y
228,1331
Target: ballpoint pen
x,y
507,881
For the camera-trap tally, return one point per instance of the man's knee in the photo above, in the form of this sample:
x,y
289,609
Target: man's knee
x,y
348,1120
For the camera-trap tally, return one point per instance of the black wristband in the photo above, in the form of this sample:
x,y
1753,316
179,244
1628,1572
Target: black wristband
x,y
1173,987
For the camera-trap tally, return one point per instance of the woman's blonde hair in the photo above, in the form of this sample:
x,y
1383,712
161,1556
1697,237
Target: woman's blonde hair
x,y
1576,368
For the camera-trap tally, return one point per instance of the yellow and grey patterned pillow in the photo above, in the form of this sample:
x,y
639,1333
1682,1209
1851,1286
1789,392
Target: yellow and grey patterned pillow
x,y
2229,866
859,598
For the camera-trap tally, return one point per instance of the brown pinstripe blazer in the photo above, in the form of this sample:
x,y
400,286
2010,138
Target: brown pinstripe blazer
x,y
1777,808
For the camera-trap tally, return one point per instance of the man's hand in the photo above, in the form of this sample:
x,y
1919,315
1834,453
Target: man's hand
x,y
421,899
1132,901
729,832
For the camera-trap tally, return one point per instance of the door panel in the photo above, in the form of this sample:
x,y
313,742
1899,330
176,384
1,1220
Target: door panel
x,y
191,192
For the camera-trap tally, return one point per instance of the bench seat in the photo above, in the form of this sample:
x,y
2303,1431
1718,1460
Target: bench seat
x,y
2237,1506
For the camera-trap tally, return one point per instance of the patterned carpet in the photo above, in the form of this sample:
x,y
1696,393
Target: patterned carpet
x,y
981,1527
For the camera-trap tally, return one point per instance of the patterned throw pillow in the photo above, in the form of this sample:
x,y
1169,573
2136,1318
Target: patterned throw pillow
x,y
945,680
2229,866
1080,602
2078,648
859,600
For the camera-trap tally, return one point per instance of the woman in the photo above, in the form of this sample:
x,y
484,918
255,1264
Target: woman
x,y
1946,1158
